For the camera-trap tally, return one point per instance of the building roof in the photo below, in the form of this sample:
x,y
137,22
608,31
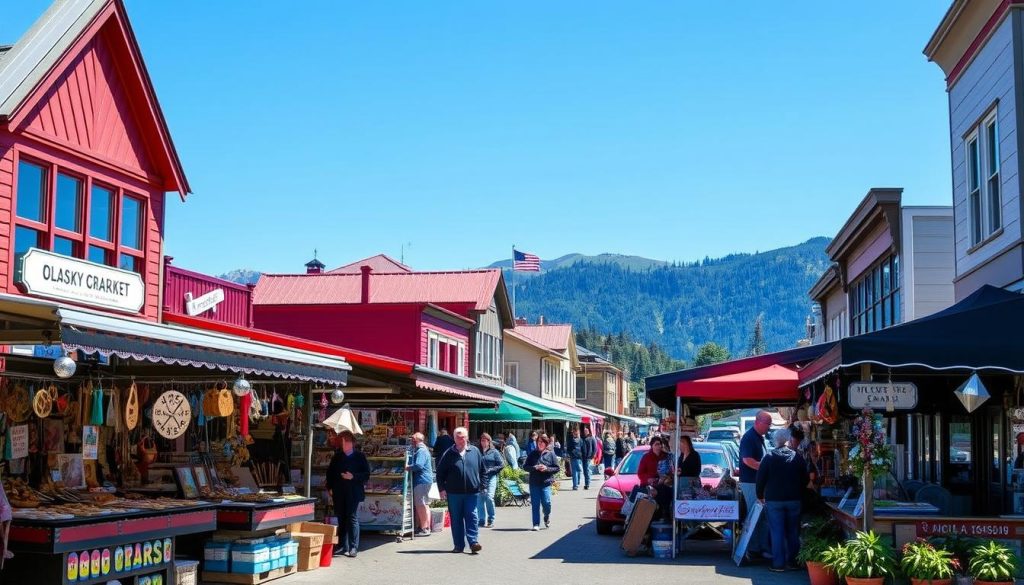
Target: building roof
x,y
555,337
587,355
476,287
26,64
379,263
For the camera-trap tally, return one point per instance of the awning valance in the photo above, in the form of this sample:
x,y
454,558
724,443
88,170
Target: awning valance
x,y
506,412
774,383
541,408
445,383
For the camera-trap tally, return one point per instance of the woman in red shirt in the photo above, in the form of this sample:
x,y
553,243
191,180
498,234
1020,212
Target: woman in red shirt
x,y
648,470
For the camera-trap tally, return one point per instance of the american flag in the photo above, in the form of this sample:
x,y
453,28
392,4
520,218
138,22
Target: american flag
x,y
525,262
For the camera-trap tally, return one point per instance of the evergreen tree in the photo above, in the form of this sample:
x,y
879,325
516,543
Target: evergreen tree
x,y
710,353
757,345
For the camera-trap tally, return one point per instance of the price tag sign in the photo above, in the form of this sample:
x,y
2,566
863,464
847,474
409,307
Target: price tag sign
x,y
19,441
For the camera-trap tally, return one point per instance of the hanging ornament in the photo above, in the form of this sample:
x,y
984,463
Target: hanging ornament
x,y
64,367
241,387
972,393
337,397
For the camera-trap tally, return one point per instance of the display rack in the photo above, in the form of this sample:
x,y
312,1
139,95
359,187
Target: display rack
x,y
388,506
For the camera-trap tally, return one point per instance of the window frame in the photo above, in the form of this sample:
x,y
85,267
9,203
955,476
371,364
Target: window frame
x,y
512,381
440,349
871,309
82,241
983,169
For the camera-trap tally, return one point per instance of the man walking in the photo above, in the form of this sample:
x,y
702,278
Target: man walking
x,y
589,450
781,480
422,477
574,450
459,477
442,443
751,453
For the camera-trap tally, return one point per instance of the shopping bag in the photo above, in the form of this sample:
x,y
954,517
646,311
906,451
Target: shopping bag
x,y
434,493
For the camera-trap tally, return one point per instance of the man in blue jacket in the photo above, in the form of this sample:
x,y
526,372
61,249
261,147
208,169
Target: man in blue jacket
x,y
574,450
459,477
422,469
781,480
588,451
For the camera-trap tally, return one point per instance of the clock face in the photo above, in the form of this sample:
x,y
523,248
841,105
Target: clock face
x,y
171,414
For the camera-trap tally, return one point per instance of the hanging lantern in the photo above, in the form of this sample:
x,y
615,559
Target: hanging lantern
x,y
972,393
337,397
64,367
241,387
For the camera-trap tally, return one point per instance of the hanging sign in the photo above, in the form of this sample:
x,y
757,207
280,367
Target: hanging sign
x,y
970,527
901,395
707,510
52,275
171,414
204,303
19,441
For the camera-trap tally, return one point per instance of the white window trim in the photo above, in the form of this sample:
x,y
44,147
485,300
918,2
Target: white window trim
x,y
984,175
434,341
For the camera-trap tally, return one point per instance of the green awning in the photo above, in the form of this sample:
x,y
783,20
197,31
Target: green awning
x,y
542,409
506,412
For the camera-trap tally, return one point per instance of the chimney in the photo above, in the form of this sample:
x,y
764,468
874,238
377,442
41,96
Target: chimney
x,y
521,321
366,270
540,320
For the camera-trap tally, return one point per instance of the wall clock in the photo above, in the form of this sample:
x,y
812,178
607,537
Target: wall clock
x,y
171,414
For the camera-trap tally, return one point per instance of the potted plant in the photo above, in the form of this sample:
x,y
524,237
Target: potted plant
x,y
923,564
960,547
816,538
992,563
865,559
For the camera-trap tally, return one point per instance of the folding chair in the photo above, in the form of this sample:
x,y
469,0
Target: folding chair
x,y
519,497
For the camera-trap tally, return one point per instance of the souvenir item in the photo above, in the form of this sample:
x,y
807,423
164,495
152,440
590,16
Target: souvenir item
x,y
96,412
171,414
131,408
42,404
218,401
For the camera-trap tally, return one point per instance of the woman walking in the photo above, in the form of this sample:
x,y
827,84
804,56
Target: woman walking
x,y
543,466
346,476
608,450
493,464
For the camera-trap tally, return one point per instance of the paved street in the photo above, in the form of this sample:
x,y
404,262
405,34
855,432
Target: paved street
x,y
570,550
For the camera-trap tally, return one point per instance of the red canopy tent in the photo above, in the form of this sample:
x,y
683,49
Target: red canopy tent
x,y
773,383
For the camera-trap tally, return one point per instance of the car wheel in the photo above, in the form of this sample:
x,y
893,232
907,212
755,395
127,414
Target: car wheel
x,y
604,527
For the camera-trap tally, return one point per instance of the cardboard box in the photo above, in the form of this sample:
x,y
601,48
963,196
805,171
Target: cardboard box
x,y
310,545
329,531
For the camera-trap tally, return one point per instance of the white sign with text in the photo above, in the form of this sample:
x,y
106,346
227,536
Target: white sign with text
x,y
204,303
901,395
707,510
52,275
19,441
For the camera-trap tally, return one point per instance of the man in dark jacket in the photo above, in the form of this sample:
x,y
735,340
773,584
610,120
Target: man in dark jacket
x,y
346,476
574,450
442,443
620,447
459,476
781,479
589,450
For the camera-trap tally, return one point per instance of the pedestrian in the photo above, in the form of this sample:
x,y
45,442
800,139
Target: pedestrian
x,y
459,477
608,450
422,468
515,444
511,453
543,466
689,465
781,480
346,477
751,452
442,443
620,447
589,451
531,445
574,451
630,441
493,464
556,446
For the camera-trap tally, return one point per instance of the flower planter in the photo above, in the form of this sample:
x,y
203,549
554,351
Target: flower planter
x,y
865,580
931,582
820,574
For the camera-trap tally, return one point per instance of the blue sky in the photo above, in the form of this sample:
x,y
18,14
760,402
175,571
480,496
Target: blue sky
x,y
672,130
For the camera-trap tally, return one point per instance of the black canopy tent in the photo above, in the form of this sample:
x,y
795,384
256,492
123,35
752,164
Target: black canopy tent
x,y
981,332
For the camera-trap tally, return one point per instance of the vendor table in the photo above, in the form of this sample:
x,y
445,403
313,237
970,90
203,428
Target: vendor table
x,y
97,549
703,513
252,517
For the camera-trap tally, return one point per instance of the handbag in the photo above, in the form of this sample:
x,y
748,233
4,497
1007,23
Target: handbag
x,y
433,493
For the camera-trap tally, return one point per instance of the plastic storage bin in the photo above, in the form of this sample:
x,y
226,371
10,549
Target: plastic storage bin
x,y
217,556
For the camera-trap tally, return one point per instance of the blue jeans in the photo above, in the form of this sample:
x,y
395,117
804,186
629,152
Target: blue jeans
x,y
784,523
462,509
485,507
540,495
577,469
608,460
759,538
586,471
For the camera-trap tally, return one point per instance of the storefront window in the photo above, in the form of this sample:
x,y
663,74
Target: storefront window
x,y
69,203
31,191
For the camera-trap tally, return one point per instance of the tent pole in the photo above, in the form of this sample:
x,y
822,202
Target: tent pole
x,y
675,488
308,440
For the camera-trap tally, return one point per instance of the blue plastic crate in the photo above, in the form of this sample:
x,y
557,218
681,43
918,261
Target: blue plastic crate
x,y
217,566
244,568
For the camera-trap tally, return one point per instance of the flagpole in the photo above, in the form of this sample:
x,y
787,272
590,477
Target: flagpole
x,y
512,278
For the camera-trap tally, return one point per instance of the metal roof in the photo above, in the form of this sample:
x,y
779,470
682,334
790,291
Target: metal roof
x,y
379,263
553,336
478,287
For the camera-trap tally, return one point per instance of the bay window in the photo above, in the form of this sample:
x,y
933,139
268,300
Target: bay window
x,y
488,355
74,215
445,353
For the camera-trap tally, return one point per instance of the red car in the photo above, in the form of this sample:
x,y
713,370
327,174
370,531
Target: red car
x,y
619,483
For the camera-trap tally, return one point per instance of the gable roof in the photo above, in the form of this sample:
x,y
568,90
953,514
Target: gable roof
x,y
26,65
480,288
552,336
379,263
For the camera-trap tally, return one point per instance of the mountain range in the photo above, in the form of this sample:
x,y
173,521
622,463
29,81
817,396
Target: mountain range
x,y
676,305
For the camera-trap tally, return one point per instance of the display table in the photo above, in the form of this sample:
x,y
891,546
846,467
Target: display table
x,y
253,517
118,546
699,514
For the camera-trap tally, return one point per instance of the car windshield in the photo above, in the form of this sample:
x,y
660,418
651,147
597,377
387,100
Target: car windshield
x,y
631,463
712,458
720,435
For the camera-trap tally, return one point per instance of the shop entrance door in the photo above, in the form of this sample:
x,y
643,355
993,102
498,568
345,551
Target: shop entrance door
x,y
992,449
